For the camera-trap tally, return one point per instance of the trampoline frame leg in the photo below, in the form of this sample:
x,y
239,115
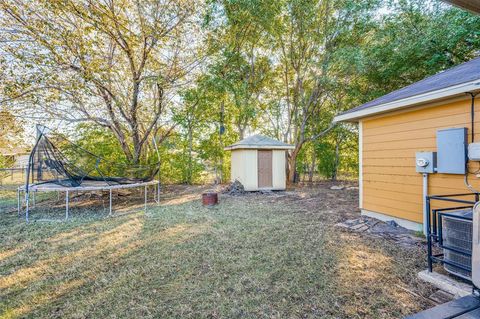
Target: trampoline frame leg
x,y
156,198
110,203
18,203
66,205
27,209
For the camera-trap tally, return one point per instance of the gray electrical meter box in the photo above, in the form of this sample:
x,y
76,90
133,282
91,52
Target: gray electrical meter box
x,y
426,162
452,151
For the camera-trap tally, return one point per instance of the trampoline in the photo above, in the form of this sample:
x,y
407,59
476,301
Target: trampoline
x,y
58,165
90,186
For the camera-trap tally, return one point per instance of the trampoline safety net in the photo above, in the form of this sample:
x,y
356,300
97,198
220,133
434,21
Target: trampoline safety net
x,y
54,159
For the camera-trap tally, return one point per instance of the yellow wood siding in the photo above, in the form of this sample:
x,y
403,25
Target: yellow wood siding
x,y
236,170
279,170
390,184
244,168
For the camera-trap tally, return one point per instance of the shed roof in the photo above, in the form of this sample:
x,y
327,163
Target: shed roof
x,y
259,142
471,5
455,81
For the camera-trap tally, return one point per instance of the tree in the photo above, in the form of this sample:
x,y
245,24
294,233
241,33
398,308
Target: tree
x,y
284,68
240,65
115,63
242,81
10,130
337,153
307,34
190,118
406,45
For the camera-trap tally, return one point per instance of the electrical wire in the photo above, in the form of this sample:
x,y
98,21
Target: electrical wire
x,y
470,187
472,129
474,172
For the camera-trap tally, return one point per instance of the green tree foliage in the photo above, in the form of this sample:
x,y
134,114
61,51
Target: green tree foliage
x,y
11,130
306,37
414,40
275,63
190,118
240,66
337,154
5,162
282,68
99,141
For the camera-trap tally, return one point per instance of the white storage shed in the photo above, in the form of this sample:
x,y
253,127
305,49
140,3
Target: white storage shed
x,y
259,163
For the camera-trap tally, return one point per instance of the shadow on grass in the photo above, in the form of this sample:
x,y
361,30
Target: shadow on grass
x,y
68,264
377,278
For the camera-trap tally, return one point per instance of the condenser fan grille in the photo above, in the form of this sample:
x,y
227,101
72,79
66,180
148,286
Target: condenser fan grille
x,y
457,234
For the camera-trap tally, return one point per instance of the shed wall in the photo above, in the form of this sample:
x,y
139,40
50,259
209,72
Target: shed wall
x,y
236,167
244,168
390,184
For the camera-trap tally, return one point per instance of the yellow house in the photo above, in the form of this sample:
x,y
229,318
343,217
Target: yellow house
x,y
258,162
394,127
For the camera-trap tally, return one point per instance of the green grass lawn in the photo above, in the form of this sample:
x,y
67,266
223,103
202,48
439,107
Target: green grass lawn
x,y
256,256
8,200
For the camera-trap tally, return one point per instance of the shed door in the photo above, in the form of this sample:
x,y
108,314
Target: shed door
x,y
264,169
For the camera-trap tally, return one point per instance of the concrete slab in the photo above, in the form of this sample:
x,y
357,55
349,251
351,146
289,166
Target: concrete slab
x,y
456,288
459,308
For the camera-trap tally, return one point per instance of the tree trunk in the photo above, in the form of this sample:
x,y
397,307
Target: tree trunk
x,y
312,168
292,163
190,147
220,136
337,161
241,132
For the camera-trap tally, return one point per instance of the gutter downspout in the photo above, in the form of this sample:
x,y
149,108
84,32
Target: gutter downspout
x,y
472,115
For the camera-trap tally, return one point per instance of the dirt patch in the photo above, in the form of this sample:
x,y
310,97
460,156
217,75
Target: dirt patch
x,y
387,230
